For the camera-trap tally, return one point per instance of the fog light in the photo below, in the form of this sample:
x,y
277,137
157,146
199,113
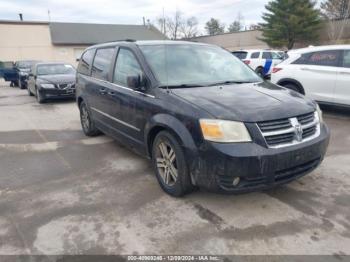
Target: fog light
x,y
236,181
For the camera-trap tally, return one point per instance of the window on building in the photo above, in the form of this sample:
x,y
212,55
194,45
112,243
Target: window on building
x,y
126,65
102,63
86,60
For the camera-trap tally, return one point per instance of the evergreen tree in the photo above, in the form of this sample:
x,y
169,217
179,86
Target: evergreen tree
x,y
214,27
290,21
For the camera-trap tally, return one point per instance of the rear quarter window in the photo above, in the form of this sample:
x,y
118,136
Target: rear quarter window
x,y
240,55
86,61
255,55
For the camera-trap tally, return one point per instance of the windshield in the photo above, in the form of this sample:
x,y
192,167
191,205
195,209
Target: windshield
x,y
25,64
179,64
55,69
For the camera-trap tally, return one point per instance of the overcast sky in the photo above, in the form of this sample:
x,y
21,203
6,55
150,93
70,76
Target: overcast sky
x,y
131,11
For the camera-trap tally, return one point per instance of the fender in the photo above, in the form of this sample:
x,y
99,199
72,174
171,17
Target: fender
x,y
171,123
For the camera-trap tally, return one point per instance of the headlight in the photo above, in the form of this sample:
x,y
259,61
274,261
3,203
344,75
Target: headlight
x,y
319,112
224,131
47,86
23,73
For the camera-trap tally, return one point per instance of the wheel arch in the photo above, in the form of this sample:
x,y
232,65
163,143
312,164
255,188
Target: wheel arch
x,y
164,122
285,81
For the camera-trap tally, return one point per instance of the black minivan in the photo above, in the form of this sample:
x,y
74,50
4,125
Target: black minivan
x,y
204,118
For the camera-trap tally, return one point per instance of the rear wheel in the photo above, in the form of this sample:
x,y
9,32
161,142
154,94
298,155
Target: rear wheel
x,y
170,165
87,122
260,71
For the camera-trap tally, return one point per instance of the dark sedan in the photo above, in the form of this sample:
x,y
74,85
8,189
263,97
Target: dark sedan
x,y
51,80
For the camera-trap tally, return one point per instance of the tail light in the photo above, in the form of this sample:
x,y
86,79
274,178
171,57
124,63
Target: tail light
x,y
247,62
276,69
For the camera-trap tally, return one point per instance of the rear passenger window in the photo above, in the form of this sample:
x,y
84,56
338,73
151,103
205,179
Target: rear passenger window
x,y
255,55
322,58
85,62
102,62
240,55
267,55
346,60
127,65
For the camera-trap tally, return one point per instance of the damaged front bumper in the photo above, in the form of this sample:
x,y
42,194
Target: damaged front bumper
x,y
217,167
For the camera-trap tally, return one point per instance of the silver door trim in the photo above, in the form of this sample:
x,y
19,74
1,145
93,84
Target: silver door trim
x,y
122,87
115,119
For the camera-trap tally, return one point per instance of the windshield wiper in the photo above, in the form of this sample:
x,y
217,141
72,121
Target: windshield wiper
x,y
230,82
181,86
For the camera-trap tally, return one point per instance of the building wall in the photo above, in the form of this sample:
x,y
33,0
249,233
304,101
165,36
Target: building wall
x,y
33,41
235,41
250,39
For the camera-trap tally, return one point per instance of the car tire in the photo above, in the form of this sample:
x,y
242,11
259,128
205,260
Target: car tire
x,y
260,71
293,87
39,97
29,92
87,123
20,84
170,165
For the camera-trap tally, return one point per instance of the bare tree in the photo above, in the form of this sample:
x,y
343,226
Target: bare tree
x,y
337,13
173,24
189,28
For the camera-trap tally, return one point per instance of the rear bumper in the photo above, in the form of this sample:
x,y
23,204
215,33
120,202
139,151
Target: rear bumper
x,y
258,167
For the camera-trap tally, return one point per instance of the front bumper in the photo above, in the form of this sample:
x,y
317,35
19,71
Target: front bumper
x,y
57,93
258,167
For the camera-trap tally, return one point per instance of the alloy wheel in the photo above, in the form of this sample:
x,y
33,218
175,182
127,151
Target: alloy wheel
x,y
166,163
85,119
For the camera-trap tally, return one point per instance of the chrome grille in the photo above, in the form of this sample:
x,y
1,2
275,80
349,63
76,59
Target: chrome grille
x,y
290,131
66,86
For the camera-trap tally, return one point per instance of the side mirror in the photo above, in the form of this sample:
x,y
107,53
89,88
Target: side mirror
x,y
136,82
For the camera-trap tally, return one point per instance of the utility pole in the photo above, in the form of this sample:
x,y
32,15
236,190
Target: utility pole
x,y
48,13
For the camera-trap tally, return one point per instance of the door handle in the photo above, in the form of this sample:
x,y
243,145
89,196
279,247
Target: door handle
x,y
102,91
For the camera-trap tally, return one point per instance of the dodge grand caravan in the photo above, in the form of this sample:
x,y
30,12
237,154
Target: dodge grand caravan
x,y
204,118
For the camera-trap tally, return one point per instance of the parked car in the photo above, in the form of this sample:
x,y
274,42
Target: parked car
x,y
321,73
51,80
204,118
262,61
8,72
23,69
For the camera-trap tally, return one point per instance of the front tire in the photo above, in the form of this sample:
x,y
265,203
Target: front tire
x,y
170,165
39,97
86,121
29,92
20,84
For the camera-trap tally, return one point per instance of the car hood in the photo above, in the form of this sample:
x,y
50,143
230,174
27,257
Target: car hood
x,y
251,102
57,79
